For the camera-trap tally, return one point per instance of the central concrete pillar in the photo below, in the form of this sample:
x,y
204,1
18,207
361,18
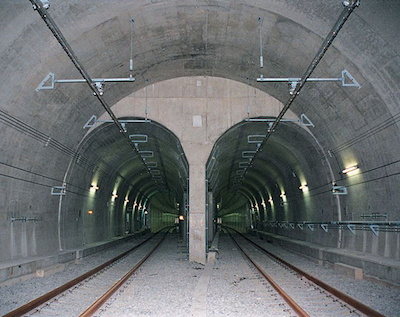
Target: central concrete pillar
x,y
197,157
197,213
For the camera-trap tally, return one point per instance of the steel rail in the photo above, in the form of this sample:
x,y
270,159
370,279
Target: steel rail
x,y
290,301
90,311
342,296
38,6
50,295
345,14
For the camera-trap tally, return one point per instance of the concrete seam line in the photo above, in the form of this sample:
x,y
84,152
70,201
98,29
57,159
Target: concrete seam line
x,y
199,302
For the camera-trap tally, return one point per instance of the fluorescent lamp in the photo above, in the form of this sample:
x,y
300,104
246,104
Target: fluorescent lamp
x,y
350,169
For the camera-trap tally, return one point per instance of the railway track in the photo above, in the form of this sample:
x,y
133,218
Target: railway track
x,y
304,294
84,295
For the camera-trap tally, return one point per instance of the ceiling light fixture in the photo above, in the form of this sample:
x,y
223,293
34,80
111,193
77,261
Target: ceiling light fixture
x,y
350,169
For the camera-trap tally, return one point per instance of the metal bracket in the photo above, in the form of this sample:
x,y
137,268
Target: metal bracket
x,y
301,226
339,190
138,138
58,190
291,224
248,154
293,82
292,86
49,82
243,164
324,226
151,164
255,138
44,85
352,228
93,121
24,219
310,226
304,120
345,77
374,229
146,153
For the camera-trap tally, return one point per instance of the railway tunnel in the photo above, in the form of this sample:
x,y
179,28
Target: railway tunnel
x,y
211,121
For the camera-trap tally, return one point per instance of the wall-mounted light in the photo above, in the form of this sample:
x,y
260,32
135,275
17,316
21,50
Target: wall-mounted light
x,y
350,169
146,212
181,217
90,212
303,187
94,188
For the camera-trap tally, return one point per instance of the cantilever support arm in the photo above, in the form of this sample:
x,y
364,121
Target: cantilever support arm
x,y
38,6
345,14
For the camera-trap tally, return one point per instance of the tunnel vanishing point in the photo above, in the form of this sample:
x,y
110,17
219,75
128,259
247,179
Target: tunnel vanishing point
x,y
277,117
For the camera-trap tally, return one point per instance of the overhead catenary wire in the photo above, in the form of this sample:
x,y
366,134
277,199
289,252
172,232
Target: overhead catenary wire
x,y
131,59
46,139
38,175
261,49
374,130
49,142
38,6
345,14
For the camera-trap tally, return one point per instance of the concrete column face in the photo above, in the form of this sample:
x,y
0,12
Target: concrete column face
x,y
197,155
197,211
211,215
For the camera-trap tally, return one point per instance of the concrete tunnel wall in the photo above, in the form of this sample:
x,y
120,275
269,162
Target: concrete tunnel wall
x,y
41,131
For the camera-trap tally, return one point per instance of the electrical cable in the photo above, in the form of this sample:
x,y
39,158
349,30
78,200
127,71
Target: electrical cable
x,y
22,127
41,175
378,128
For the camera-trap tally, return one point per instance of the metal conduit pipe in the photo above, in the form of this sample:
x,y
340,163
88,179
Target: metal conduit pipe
x,y
347,11
41,9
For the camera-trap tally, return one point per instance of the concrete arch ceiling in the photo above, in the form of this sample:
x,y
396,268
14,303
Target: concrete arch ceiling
x,y
291,159
116,160
218,38
191,38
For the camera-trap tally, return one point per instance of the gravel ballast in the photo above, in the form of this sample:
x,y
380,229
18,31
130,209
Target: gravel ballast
x,y
170,285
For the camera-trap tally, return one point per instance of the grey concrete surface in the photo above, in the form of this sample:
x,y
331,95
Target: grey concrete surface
x,y
196,64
